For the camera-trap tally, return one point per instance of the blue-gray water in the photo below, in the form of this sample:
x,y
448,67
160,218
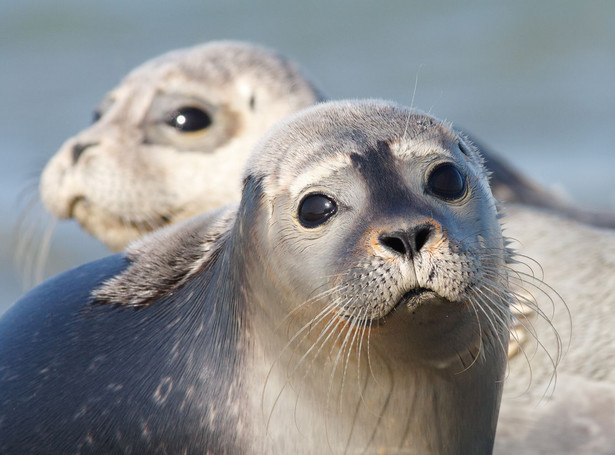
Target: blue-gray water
x,y
533,80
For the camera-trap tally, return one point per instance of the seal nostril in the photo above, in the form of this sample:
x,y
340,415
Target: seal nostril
x,y
423,233
394,243
79,148
408,242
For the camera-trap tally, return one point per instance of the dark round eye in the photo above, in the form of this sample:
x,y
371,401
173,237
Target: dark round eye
x,y
315,209
189,119
446,182
96,115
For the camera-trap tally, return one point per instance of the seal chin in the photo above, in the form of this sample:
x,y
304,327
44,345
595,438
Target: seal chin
x,y
112,229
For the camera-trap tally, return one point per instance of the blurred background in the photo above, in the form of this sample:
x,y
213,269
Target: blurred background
x,y
534,81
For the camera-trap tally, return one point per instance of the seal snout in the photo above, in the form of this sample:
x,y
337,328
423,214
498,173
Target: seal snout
x,y
408,242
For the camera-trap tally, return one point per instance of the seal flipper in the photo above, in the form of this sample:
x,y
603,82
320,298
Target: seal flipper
x,y
164,260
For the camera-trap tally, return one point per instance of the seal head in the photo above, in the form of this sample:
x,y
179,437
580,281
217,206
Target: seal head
x,y
165,141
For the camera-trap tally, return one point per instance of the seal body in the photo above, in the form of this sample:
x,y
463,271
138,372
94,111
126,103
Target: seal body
x,y
355,302
96,389
559,394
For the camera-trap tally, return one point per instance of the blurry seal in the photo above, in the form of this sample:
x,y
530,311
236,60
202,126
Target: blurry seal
x,y
570,412
171,140
356,301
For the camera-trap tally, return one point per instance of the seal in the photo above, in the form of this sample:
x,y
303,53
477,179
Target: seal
x,y
570,412
171,140
355,302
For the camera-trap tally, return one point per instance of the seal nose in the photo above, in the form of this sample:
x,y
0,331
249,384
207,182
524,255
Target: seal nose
x,y
408,242
79,148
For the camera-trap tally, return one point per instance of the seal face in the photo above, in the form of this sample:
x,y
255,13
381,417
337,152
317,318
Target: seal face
x,y
356,301
167,143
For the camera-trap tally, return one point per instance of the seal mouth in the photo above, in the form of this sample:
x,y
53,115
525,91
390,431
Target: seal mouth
x,y
417,297
70,212
413,300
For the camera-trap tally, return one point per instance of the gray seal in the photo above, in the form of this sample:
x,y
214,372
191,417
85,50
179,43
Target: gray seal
x,y
355,302
170,141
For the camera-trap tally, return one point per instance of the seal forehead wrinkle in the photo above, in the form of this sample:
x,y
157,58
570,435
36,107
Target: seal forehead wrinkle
x,y
423,143
315,172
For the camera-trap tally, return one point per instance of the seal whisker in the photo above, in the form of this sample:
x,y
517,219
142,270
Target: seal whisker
x,y
528,325
474,355
334,369
28,198
42,254
537,284
330,310
312,299
522,281
33,246
369,357
492,313
289,374
323,338
520,258
365,322
352,327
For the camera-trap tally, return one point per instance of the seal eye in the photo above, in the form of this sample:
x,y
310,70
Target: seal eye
x,y
315,209
189,119
446,182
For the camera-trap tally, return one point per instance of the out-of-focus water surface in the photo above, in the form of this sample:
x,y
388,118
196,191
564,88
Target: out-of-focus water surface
x,y
533,80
